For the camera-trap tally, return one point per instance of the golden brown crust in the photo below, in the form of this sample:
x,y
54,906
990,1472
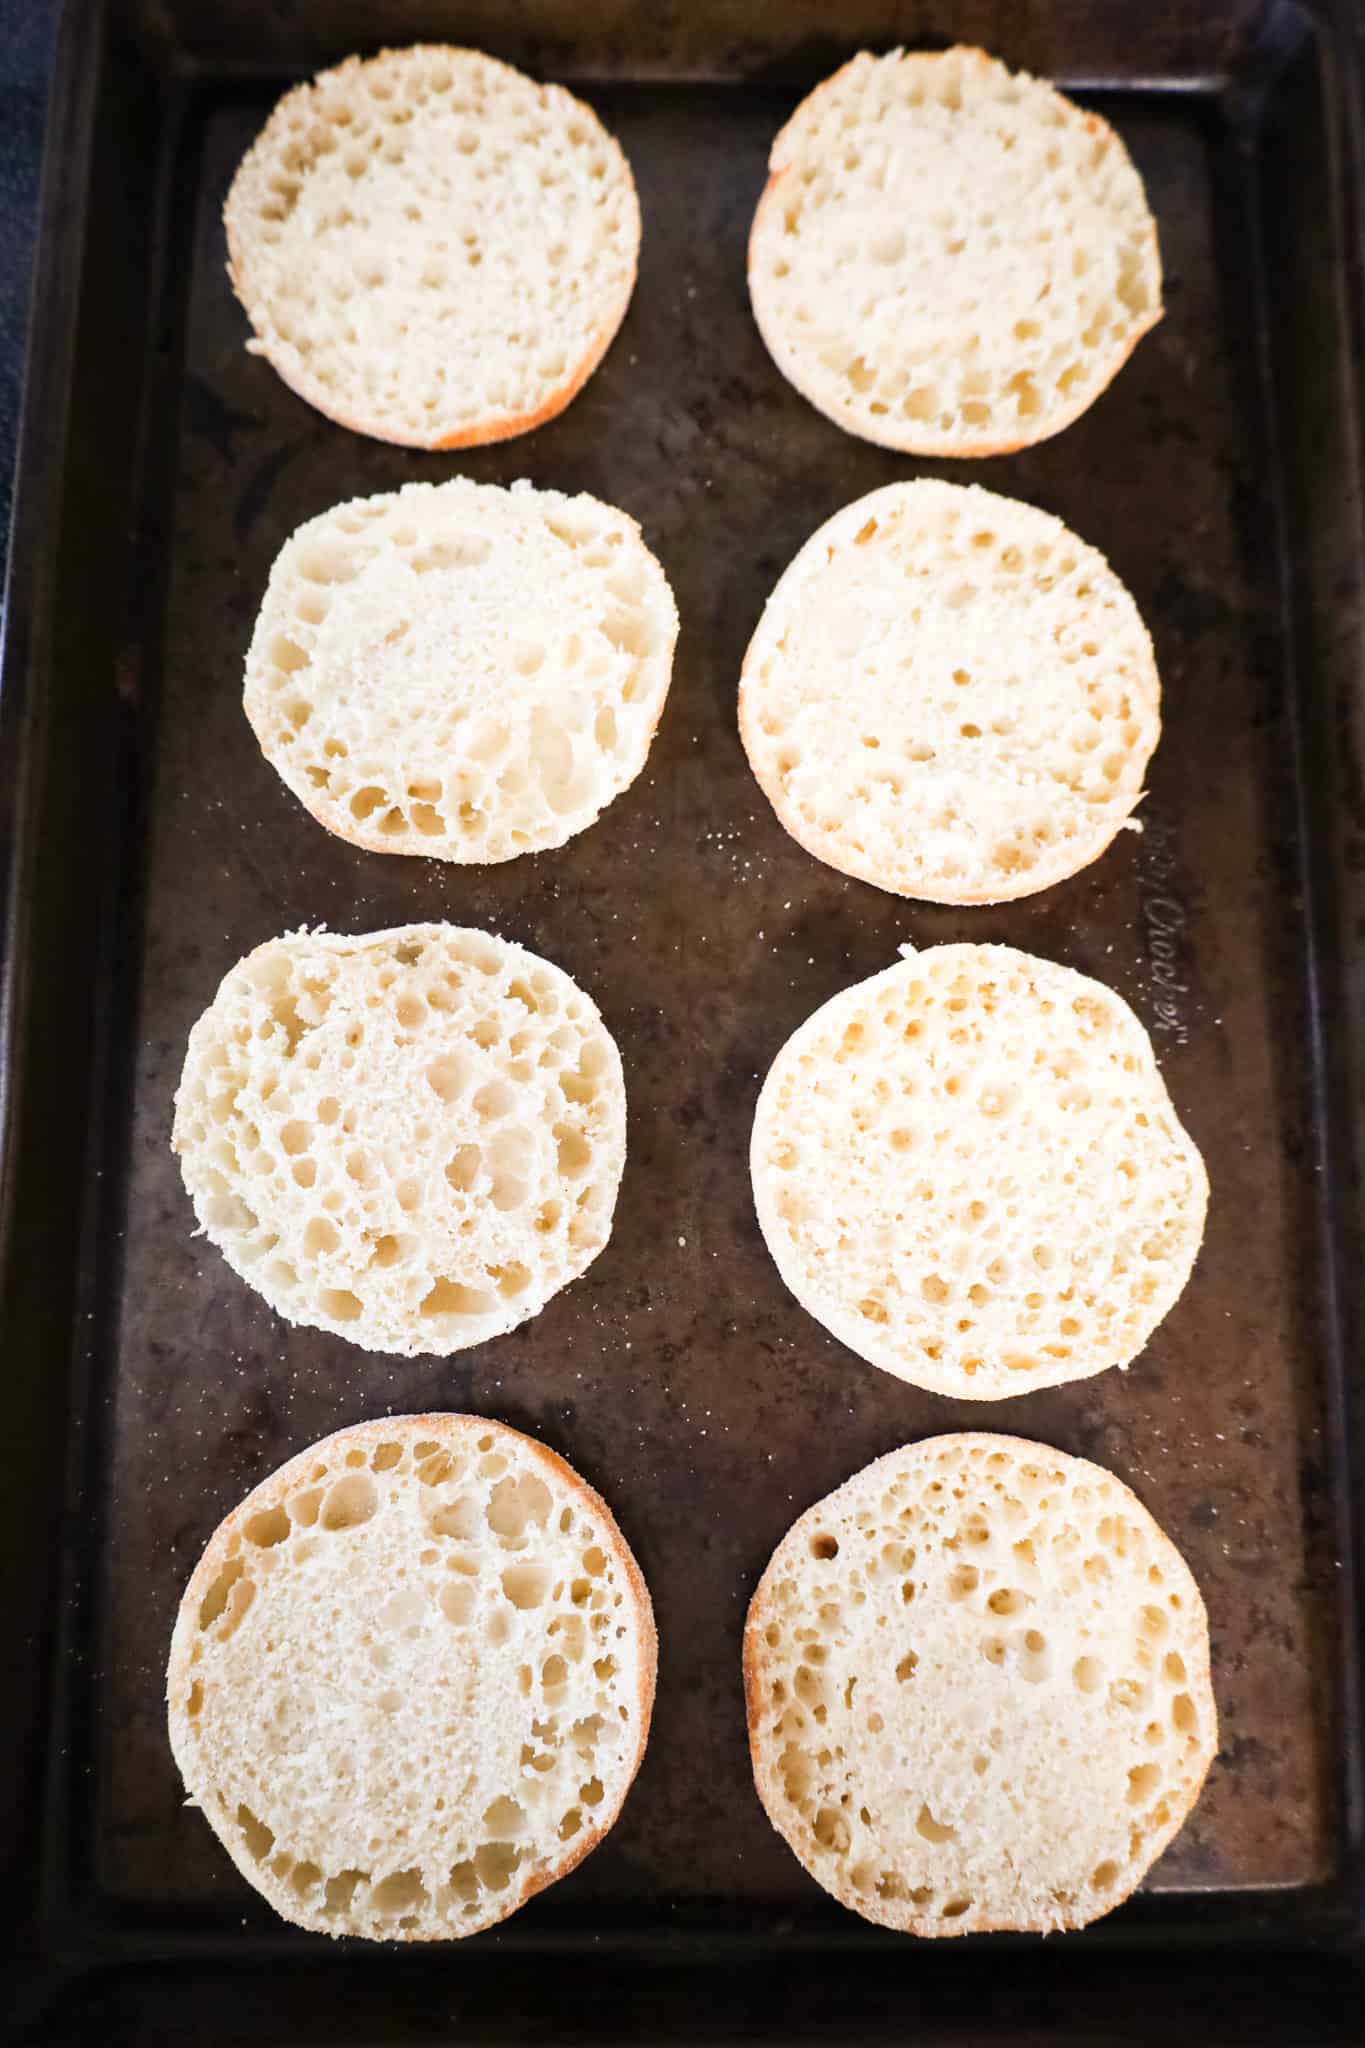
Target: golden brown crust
x,y
908,439
810,1042
502,427
887,1913
276,1487
482,433
1042,875
908,442
371,842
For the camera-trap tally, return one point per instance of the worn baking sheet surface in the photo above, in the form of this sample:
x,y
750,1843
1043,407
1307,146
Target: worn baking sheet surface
x,y
679,1376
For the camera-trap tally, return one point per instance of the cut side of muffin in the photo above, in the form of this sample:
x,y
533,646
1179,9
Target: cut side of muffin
x,y
413,1138
978,1689
950,258
432,248
969,1170
950,696
459,670
411,1678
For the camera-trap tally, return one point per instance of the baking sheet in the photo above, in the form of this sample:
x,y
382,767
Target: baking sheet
x,y
678,1375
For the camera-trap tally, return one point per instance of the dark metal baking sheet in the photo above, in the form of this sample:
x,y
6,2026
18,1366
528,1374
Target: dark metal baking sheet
x,y
150,846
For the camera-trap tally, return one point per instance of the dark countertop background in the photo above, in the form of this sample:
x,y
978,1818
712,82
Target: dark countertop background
x,y
27,35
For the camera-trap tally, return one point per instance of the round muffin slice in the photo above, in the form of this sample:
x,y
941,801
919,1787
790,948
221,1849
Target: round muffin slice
x,y
978,1691
969,1170
950,696
432,248
411,1678
412,1138
949,257
459,670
